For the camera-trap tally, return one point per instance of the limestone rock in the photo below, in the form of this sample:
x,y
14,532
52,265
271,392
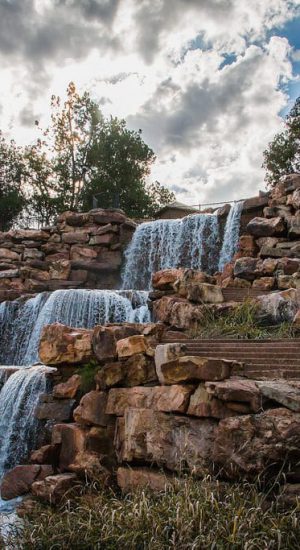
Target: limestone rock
x,y
263,227
76,237
190,369
205,293
164,279
202,404
164,353
135,371
7,254
278,307
91,409
18,481
262,444
61,344
58,410
68,389
60,269
264,283
72,440
165,440
244,391
245,268
54,488
287,393
132,345
104,340
177,312
158,398
130,479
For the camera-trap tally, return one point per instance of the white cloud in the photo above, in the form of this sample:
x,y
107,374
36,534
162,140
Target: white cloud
x,y
202,79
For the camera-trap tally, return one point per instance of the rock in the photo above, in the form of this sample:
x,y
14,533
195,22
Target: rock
x,y
166,399
235,283
191,278
278,307
177,312
190,369
294,199
82,253
202,404
294,231
72,441
135,371
7,254
54,488
164,279
296,321
60,344
266,252
32,254
164,353
48,454
289,266
269,242
264,283
54,409
165,440
103,217
60,269
244,391
131,479
68,389
205,293
76,237
287,393
288,281
245,268
36,274
91,409
248,246
105,239
88,464
289,495
29,234
104,340
18,481
133,345
257,445
9,274
77,219
263,227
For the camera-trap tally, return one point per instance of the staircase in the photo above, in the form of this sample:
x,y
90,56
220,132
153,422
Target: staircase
x,y
241,294
260,358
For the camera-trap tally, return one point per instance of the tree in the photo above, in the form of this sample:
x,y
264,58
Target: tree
x,y
82,155
283,154
12,176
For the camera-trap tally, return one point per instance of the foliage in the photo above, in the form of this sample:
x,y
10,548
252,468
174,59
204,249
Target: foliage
x,y
82,155
87,373
243,321
283,153
12,177
189,514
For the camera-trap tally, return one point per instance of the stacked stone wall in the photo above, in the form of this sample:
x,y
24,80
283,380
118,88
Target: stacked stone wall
x,y
81,251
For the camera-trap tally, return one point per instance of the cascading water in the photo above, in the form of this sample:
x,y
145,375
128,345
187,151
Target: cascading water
x,y
192,242
231,234
18,426
21,323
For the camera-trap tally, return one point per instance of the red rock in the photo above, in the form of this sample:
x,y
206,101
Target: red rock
x,y
61,344
60,269
177,312
164,353
133,345
54,488
263,227
164,279
18,481
91,409
287,393
68,389
165,440
190,369
135,371
102,217
264,283
76,237
72,440
48,454
245,391
158,398
202,404
79,253
104,340
245,268
257,445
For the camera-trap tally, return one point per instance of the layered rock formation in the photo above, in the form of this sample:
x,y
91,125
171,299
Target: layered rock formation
x,y
80,251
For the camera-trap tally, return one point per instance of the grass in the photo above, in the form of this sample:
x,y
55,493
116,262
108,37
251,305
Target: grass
x,y
241,322
189,515
87,373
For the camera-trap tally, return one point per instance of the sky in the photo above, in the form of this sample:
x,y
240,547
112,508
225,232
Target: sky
x,y
208,81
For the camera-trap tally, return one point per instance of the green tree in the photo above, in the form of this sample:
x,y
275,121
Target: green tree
x,y
12,177
82,155
283,153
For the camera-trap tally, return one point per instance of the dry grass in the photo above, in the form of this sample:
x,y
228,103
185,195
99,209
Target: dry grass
x,y
189,515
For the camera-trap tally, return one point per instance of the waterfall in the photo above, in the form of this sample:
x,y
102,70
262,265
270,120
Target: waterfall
x,y
192,242
21,323
18,426
231,234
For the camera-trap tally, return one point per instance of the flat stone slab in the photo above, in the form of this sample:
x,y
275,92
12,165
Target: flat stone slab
x,y
282,391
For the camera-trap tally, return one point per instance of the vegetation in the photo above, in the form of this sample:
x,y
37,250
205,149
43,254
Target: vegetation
x,y
12,176
283,153
241,322
189,514
79,157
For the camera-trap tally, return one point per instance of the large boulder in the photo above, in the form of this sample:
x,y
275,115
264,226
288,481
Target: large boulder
x,y
54,488
287,393
68,389
71,440
257,445
130,479
278,307
158,398
91,409
18,481
178,312
105,338
133,345
193,369
165,440
164,353
164,279
60,344
202,404
264,227
134,371
205,293
237,390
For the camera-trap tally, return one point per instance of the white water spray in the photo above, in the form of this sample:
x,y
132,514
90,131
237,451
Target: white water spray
x,y
231,234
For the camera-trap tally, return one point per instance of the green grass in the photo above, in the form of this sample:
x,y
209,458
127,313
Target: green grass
x,y
87,373
189,515
241,322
